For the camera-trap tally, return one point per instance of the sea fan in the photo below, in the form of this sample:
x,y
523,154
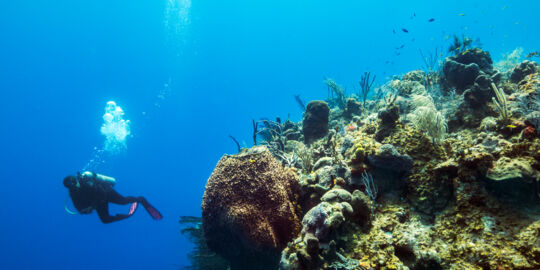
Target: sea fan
x,y
201,257
427,119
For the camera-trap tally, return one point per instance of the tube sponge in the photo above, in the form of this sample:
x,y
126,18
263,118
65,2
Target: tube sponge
x,y
114,128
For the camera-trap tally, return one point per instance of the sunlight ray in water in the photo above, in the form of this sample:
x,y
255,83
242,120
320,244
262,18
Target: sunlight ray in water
x,y
177,20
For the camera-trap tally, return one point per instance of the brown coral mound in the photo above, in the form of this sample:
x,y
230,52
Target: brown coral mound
x,y
315,121
249,210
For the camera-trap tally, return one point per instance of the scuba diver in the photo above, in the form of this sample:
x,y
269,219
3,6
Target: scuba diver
x,y
89,191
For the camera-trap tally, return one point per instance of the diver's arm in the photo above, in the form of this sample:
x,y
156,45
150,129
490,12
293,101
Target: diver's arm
x,y
106,218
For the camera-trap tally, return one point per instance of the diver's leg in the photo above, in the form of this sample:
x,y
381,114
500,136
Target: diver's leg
x,y
103,213
115,197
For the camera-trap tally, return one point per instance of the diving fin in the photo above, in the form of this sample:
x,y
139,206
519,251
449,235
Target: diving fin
x,y
153,212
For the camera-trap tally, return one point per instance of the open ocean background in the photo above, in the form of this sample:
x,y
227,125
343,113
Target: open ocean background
x,y
187,74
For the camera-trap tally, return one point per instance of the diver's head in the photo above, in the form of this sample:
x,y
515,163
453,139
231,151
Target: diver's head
x,y
70,182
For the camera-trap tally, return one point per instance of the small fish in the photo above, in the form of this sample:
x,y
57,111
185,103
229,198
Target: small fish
x,y
404,30
431,20
462,14
252,161
537,54
511,126
393,31
402,46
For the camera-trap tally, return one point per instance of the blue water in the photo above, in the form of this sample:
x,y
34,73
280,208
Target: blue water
x,y
187,74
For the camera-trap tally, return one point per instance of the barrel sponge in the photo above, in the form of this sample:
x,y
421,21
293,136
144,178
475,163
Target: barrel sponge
x,y
249,209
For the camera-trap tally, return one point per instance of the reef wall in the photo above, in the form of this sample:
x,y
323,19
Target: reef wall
x,y
440,170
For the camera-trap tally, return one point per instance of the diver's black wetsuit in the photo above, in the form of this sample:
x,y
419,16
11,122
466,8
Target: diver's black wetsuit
x,y
93,194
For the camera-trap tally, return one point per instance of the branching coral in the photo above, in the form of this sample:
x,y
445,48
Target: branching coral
x,y
460,45
500,103
306,158
365,86
371,188
272,133
338,91
289,160
432,66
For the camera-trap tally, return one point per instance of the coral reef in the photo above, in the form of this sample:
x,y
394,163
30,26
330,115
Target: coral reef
x,y
460,75
388,158
436,171
513,178
460,71
523,69
324,231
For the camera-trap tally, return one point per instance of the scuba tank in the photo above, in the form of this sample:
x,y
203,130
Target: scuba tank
x,y
100,177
